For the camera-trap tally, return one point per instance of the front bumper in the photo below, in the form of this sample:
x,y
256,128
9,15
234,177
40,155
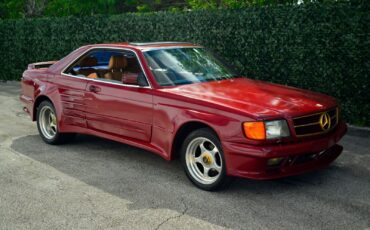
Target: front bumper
x,y
250,161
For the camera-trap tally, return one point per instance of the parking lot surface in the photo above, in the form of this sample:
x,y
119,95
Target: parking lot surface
x,y
93,183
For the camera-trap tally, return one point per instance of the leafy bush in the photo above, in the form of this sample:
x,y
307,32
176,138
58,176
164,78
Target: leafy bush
x,y
320,47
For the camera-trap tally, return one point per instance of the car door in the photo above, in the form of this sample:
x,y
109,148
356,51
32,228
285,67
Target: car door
x,y
72,93
71,87
116,107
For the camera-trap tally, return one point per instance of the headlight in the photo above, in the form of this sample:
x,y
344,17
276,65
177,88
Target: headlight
x,y
276,129
259,130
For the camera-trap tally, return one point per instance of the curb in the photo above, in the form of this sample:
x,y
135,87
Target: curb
x,y
358,131
5,82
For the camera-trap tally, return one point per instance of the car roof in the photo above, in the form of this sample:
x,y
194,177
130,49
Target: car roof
x,y
146,45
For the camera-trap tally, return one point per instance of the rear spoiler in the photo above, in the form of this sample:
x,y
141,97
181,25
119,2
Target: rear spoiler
x,y
39,65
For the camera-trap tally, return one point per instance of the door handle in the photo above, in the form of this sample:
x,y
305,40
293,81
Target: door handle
x,y
94,88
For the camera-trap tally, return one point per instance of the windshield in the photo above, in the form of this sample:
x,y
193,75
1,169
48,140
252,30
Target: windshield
x,y
177,66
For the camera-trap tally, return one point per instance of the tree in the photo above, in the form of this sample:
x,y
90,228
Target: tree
x,y
235,4
60,8
79,7
34,8
12,8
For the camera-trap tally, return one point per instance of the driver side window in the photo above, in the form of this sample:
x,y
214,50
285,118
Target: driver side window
x,y
109,65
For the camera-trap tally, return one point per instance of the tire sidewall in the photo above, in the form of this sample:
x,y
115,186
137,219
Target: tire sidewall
x,y
209,134
50,105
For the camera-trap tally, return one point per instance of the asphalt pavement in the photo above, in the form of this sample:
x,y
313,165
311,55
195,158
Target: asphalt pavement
x,y
93,183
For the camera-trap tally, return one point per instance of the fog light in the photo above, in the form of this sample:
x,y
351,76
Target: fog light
x,y
274,161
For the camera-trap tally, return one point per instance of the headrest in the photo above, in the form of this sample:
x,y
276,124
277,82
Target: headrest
x,y
133,65
88,61
117,62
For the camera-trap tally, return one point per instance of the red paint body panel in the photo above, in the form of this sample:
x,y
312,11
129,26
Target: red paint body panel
x,y
150,117
257,99
130,110
250,161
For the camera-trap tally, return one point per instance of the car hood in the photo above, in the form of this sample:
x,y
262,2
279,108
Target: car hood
x,y
256,98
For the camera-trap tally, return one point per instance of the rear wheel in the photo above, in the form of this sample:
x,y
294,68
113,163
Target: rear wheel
x,y
203,160
47,124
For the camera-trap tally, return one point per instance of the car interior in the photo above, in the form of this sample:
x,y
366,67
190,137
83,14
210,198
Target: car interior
x,y
107,65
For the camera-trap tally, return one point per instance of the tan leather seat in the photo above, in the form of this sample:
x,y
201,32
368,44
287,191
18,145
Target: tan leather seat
x,y
92,75
132,71
86,66
117,64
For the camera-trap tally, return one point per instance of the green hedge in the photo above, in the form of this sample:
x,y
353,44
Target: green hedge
x,y
319,47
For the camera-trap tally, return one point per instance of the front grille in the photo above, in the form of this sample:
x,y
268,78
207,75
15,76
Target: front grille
x,y
316,123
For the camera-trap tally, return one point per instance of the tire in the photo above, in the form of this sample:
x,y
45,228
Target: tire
x,y
47,125
203,160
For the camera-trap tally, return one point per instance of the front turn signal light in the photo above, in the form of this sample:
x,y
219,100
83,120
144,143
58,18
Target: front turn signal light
x,y
255,130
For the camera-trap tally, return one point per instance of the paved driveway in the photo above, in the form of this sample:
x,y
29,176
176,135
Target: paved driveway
x,y
95,183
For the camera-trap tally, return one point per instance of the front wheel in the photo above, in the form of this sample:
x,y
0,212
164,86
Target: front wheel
x,y
203,160
47,125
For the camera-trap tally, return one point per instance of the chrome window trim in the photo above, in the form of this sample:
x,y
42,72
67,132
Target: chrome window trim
x,y
157,43
109,82
169,47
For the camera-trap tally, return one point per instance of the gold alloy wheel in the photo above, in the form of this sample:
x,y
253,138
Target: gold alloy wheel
x,y
48,122
203,160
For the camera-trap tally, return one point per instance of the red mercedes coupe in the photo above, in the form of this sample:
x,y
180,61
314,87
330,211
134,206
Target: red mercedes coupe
x,y
176,99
